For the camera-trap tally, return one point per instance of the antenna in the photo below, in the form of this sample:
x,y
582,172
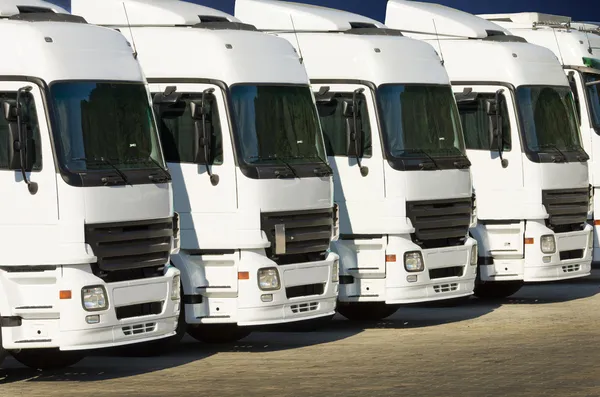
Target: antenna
x,y
558,45
297,41
589,42
135,53
437,36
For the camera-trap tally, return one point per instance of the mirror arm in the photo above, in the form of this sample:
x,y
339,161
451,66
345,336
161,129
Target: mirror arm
x,y
503,162
31,186
364,171
214,179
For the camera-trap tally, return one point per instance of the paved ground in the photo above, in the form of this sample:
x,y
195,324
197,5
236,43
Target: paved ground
x,y
545,341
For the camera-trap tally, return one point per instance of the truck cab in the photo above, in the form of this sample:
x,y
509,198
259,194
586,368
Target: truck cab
x,y
530,169
87,215
578,49
253,188
394,140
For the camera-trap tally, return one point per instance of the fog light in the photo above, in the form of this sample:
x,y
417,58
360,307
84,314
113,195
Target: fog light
x,y
268,279
93,319
546,259
548,244
94,298
413,262
266,297
412,278
175,288
474,255
335,271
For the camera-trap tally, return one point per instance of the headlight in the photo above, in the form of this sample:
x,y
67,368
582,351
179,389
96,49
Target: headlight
x,y
474,255
175,285
591,240
94,298
413,262
335,272
548,244
268,279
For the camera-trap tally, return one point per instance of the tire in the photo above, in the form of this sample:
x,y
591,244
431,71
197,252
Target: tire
x,y
47,359
366,311
3,353
495,290
218,333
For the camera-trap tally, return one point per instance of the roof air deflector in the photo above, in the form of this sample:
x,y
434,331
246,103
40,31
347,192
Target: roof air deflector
x,y
48,17
33,10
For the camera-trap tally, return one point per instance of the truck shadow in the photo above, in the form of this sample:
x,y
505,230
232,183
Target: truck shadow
x,y
556,292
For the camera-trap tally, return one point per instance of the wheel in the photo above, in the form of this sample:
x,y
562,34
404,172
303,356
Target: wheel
x,y
160,346
218,333
366,311
47,359
494,290
3,353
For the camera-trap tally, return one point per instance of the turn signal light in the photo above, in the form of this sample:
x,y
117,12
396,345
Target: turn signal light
x,y
529,240
64,294
390,258
243,275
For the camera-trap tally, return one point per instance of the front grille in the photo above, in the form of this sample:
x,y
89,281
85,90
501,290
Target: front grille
x,y
139,310
571,268
440,223
567,209
439,289
139,329
130,250
305,307
446,272
305,290
299,236
572,254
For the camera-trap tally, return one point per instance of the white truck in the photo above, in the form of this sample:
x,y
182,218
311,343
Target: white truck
x,y
87,217
530,169
578,50
241,134
393,137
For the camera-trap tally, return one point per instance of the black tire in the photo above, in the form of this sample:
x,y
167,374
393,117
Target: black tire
x,y
160,346
3,353
366,311
218,333
47,359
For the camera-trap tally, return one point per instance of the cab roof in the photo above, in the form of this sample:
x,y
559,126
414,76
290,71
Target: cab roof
x,y
147,13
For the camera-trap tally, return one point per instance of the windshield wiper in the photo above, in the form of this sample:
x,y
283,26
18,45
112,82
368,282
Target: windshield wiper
x,y
422,165
553,146
165,172
107,162
454,151
278,159
318,171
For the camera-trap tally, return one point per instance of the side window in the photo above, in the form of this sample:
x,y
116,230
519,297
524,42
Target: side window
x,y
31,126
333,123
475,123
177,134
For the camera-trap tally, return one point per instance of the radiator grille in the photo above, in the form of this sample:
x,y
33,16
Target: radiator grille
x,y
572,254
139,310
305,290
127,246
567,209
300,236
445,272
440,223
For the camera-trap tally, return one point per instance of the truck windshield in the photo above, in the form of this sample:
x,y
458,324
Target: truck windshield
x,y
103,125
420,118
548,118
593,94
277,123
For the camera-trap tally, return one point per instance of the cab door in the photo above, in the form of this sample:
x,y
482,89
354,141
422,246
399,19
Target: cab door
x,y
25,216
497,177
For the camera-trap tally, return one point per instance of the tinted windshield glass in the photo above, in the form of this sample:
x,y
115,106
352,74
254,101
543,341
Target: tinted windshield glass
x,y
277,122
593,93
548,118
420,118
101,123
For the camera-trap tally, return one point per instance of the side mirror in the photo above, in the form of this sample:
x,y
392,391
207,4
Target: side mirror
x,y
168,105
495,128
10,110
15,143
353,131
202,132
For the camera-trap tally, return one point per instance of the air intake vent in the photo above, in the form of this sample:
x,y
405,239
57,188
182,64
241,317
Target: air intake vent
x,y
34,10
212,18
225,26
567,209
362,25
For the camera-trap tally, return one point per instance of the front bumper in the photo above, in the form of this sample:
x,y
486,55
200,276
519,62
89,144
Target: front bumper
x,y
314,294
55,323
447,275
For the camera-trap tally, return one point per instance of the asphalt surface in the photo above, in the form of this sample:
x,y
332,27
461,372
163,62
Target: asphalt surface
x,y
543,341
